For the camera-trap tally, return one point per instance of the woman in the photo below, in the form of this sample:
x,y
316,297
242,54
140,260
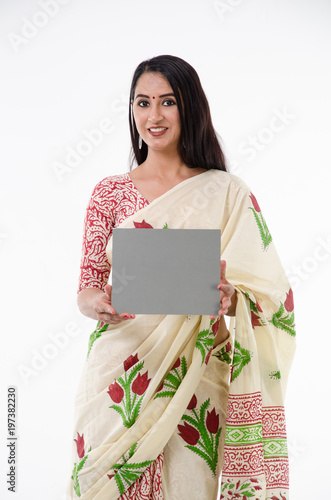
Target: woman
x,y
155,416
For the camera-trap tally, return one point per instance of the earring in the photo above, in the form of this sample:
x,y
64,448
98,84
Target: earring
x,y
140,142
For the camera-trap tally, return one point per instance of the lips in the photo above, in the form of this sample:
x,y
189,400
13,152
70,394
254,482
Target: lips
x,y
157,131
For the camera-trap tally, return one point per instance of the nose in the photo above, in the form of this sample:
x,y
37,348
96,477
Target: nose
x,y
155,113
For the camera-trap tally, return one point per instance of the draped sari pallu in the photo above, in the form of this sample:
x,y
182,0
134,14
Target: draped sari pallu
x,y
160,411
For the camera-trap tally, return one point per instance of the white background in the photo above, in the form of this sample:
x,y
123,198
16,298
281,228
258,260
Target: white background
x,y
65,71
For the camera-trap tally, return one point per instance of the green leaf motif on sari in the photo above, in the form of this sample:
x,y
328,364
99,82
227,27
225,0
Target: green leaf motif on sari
x,y
173,379
276,375
74,477
126,474
201,431
206,339
225,354
261,223
241,357
100,328
284,320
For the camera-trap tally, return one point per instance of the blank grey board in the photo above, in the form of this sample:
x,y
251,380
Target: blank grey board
x,y
166,271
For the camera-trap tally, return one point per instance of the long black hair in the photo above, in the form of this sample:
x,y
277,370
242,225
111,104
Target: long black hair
x,y
198,143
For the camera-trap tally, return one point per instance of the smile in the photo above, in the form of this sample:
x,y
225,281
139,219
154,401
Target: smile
x,y
156,131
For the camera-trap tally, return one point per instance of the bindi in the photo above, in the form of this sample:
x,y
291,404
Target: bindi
x,y
153,96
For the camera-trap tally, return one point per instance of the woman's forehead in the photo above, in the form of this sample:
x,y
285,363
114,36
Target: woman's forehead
x,y
152,83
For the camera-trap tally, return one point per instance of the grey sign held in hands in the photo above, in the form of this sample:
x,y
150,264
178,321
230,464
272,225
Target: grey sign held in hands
x,y
166,271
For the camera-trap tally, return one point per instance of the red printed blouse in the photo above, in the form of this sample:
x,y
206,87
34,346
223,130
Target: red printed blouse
x,y
113,200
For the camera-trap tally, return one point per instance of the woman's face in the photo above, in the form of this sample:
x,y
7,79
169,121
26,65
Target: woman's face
x,y
156,113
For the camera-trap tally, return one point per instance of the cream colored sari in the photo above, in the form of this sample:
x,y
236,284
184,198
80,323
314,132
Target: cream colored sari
x,y
156,417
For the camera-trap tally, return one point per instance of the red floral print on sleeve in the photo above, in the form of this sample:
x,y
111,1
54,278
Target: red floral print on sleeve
x,y
113,200
98,227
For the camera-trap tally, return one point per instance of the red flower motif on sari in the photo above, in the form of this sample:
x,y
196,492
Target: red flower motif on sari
x,y
228,347
208,356
130,361
255,203
80,445
289,304
140,384
189,434
193,403
215,327
177,364
212,421
116,392
259,308
255,319
142,225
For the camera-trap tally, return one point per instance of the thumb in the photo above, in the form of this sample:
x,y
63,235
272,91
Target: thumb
x,y
107,291
223,269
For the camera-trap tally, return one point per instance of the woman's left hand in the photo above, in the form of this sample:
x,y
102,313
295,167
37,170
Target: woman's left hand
x,y
228,296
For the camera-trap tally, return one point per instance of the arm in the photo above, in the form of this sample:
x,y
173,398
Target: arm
x,y
94,294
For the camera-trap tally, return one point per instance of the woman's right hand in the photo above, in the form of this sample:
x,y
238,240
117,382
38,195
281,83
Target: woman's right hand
x,y
105,311
96,304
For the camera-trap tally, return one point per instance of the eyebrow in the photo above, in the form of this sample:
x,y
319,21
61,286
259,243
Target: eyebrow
x,y
163,95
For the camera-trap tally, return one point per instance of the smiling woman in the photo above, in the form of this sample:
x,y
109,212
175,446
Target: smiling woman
x,y
156,116
156,415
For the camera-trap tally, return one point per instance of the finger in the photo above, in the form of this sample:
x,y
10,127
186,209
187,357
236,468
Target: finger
x,y
107,291
223,269
225,304
104,308
226,290
126,316
113,319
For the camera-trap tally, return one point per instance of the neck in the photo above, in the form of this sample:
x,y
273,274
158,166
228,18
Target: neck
x,y
164,164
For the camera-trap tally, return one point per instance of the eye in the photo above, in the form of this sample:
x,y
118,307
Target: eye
x,y
143,103
169,102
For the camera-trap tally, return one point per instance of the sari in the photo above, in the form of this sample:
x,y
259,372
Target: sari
x,y
160,411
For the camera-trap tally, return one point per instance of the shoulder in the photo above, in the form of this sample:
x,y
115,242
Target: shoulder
x,y
109,185
229,181
113,181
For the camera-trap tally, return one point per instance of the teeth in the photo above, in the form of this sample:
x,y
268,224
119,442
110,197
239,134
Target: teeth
x,y
158,129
